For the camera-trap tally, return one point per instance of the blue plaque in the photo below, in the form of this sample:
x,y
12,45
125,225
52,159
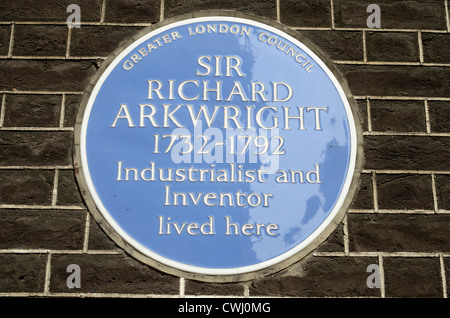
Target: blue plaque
x,y
218,147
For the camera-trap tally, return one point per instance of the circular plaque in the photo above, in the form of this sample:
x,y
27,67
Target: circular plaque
x,y
216,147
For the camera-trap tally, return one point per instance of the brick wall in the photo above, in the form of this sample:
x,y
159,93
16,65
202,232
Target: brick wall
x,y
399,220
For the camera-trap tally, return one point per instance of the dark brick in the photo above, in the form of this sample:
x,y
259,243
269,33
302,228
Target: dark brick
x,y
335,242
447,270
22,272
5,34
412,277
364,196
443,191
46,75
71,106
40,40
42,229
361,105
35,148
404,192
48,10
98,240
99,40
133,11
319,277
30,110
406,152
338,45
436,47
392,46
68,192
266,8
439,112
111,274
201,288
400,14
310,13
397,80
398,232
26,187
1,104
398,115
